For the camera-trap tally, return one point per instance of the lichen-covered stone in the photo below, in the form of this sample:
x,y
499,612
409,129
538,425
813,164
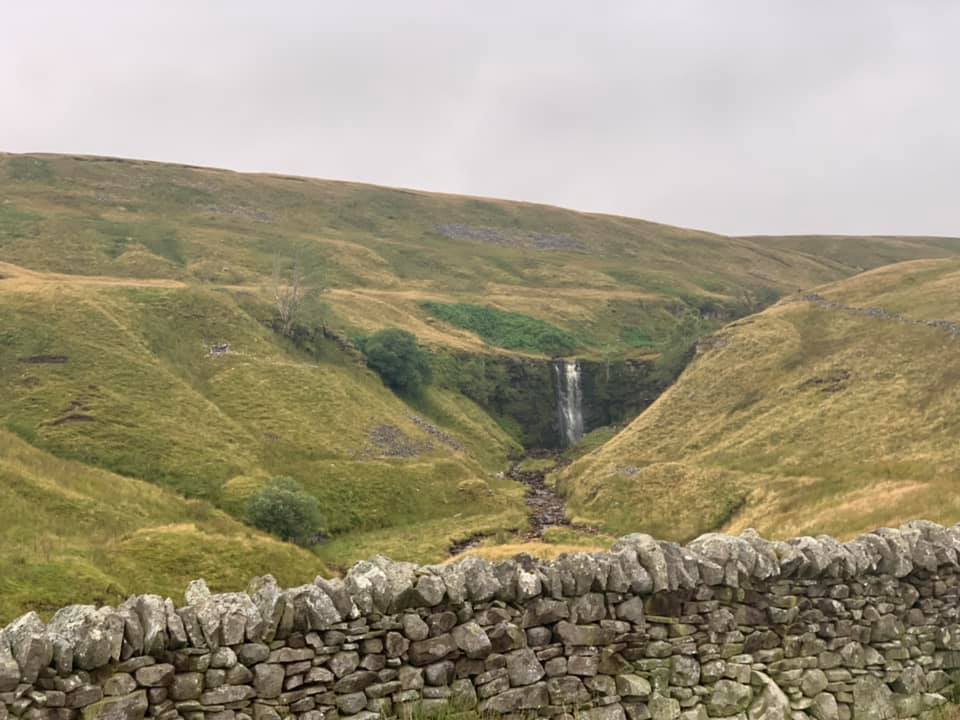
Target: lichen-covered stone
x,y
728,698
472,640
424,652
186,686
30,645
159,675
530,697
123,707
631,685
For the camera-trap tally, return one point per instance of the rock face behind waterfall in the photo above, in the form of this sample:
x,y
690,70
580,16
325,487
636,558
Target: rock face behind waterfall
x,y
569,400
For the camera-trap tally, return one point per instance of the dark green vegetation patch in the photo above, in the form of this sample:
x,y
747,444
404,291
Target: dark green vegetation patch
x,y
508,330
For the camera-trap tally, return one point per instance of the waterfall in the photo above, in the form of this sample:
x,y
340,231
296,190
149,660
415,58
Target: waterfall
x,y
569,401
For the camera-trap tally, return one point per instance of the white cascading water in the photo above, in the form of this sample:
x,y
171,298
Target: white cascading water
x,y
569,401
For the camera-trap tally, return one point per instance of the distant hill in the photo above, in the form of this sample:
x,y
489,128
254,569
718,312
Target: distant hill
x,y
835,411
138,344
383,252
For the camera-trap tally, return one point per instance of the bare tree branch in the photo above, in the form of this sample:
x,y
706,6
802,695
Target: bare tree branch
x,y
287,294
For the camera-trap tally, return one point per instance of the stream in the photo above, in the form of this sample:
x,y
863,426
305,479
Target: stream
x,y
545,509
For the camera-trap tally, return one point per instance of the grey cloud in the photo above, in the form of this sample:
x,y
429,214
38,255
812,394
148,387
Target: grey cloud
x,y
740,116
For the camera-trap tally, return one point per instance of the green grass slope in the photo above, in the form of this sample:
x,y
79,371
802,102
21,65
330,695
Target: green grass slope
x,y
383,253
832,415
118,276
121,377
105,536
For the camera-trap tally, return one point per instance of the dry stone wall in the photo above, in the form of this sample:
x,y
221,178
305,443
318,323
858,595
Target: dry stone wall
x,y
725,627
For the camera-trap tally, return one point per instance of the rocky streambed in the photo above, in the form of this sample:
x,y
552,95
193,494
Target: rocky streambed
x,y
545,508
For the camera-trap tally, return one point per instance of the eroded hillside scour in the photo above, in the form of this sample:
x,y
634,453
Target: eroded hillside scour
x,y
722,627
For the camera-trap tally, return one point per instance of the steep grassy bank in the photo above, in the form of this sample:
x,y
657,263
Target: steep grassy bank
x,y
834,413
613,284
123,378
118,278
75,534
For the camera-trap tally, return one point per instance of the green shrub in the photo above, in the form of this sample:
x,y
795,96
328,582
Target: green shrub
x,y
284,509
397,358
509,330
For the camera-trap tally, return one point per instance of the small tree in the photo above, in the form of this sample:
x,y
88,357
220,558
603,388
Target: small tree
x,y
283,508
397,358
287,295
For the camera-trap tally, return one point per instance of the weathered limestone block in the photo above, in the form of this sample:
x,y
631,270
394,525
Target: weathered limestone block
x,y
123,707
728,698
226,694
472,640
531,697
529,584
825,707
872,700
439,673
94,636
544,611
9,669
613,711
399,581
268,680
814,682
84,695
414,627
344,663
463,694
684,670
634,686
481,582
650,556
454,581
336,590
160,675
186,686
634,574
771,703
152,614
351,704
664,708
567,691
588,608
571,634
424,652
523,667
30,645
355,681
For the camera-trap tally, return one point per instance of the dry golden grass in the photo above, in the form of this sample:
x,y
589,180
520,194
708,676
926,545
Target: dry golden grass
x,y
539,550
106,536
798,420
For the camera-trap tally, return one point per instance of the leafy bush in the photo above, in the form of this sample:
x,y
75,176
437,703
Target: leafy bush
x,y
509,330
284,509
397,358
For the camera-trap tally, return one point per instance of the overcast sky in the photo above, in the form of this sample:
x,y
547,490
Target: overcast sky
x,y
774,116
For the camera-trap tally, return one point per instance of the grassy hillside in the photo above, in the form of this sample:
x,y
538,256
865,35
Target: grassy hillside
x,y
119,375
118,277
833,414
71,533
383,253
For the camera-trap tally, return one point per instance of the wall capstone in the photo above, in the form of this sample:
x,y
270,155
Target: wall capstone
x,y
724,627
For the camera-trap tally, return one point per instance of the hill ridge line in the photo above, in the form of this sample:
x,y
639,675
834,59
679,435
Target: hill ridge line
x,y
877,313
